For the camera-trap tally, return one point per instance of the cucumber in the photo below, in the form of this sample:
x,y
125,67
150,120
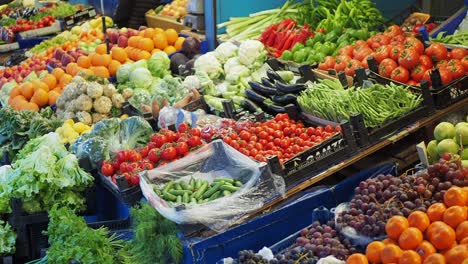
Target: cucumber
x,y
186,186
179,199
198,184
180,192
238,184
228,187
192,183
226,193
215,196
168,186
169,197
185,198
212,190
225,180
193,200
202,190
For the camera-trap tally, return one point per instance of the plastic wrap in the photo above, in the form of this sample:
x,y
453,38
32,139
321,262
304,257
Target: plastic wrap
x,y
209,162
175,116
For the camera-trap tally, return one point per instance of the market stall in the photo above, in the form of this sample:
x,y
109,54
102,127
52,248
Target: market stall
x,y
288,132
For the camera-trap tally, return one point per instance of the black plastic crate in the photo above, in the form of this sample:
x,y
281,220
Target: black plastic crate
x,y
5,160
7,260
129,195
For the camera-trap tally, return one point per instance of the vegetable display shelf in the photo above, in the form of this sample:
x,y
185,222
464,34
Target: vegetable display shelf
x,y
442,95
276,225
129,195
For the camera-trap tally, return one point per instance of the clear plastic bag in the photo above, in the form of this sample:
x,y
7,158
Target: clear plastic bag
x,y
175,116
211,161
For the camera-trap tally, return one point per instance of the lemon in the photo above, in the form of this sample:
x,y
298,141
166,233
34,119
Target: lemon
x,y
124,116
79,127
69,122
59,130
72,137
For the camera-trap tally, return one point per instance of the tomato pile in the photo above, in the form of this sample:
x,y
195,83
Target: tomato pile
x,y
281,136
164,147
400,58
25,25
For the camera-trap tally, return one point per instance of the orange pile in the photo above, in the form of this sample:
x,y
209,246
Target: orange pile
x,y
36,94
437,236
152,40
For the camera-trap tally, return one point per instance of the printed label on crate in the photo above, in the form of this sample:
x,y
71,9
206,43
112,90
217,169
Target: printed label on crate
x,y
314,154
81,15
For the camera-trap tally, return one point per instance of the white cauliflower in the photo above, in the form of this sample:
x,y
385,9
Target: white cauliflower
x,y
127,93
71,106
68,115
98,117
94,90
78,79
84,117
81,88
117,100
102,105
61,102
84,103
109,90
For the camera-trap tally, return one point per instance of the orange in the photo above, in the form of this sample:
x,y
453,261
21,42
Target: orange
x,y
141,33
149,33
462,231
391,254
57,72
464,241
30,106
419,219
17,90
102,60
455,196
373,251
143,55
160,41
455,215
357,258
155,50
425,249
119,54
179,43
53,95
410,238
158,30
457,254
72,69
65,79
410,257
50,80
27,90
435,258
84,62
395,226
101,49
435,212
441,235
40,97
86,72
146,44
133,41
39,85
170,50
113,67
389,241
171,36
101,71
94,57
18,101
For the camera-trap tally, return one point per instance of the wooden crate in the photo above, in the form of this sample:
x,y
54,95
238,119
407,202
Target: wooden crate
x,y
164,22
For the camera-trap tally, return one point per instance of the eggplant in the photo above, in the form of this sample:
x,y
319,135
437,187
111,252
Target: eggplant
x,y
259,88
284,99
274,77
267,83
251,106
289,88
276,108
252,95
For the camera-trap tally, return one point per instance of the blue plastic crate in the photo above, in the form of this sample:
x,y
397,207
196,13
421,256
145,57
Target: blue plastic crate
x,y
453,22
276,225
108,207
29,42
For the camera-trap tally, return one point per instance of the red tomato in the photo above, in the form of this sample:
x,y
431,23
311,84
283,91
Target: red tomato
x,y
159,139
400,74
427,77
395,51
107,169
183,128
328,63
144,151
464,62
121,156
409,58
359,53
437,52
153,155
346,50
379,40
456,70
418,72
351,67
399,39
445,76
182,148
412,83
341,62
361,43
169,153
386,67
124,167
426,61
412,42
382,53
194,141
393,31
134,180
459,53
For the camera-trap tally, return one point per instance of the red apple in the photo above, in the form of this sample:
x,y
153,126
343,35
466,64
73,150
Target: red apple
x,y
122,42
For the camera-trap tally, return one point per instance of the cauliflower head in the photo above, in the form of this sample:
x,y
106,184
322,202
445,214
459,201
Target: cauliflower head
x,y
102,105
95,90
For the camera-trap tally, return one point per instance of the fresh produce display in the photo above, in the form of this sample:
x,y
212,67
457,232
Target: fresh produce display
x,y
283,36
281,136
162,148
26,25
56,41
376,200
429,236
460,38
449,138
414,21
70,131
176,9
7,239
198,190
18,127
44,174
89,101
329,100
110,136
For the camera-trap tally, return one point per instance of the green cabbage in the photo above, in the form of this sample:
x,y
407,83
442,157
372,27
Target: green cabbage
x,y
141,78
123,74
159,64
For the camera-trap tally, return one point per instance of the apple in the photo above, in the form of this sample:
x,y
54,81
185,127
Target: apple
x,y
122,42
67,59
132,32
58,53
114,37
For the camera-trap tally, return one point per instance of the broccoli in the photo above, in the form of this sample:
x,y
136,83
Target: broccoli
x,y
102,105
84,103
84,117
95,90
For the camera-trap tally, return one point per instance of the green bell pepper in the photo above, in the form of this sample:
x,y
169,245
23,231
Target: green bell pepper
x,y
287,55
297,47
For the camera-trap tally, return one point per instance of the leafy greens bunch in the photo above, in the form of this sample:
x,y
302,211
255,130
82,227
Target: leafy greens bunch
x,y
44,174
7,239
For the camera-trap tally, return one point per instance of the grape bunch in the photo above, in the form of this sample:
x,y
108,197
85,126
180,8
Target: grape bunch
x,y
292,255
249,257
376,200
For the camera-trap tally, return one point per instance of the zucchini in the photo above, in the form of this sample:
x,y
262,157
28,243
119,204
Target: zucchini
x,y
264,90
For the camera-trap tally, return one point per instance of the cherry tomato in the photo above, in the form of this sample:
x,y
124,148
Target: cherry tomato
x,y
182,148
329,129
400,74
386,67
409,58
169,153
425,61
418,72
153,155
107,169
285,143
244,135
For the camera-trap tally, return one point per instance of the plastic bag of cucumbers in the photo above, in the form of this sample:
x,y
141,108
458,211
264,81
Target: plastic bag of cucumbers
x,y
214,186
